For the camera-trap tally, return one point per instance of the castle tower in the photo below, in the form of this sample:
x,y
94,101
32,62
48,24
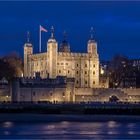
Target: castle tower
x,y
93,62
92,44
52,49
28,50
64,46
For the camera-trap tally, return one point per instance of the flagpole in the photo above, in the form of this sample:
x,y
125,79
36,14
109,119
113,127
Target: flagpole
x,y
40,39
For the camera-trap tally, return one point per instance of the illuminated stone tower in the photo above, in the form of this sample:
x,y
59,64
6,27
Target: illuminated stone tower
x,y
93,62
92,45
28,50
52,48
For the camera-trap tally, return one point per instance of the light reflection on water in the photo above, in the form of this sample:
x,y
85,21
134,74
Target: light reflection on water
x,y
7,124
70,130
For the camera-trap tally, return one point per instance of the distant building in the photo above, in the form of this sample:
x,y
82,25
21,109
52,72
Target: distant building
x,y
104,74
104,67
130,78
135,63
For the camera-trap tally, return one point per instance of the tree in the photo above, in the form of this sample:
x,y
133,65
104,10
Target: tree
x,y
119,68
6,70
11,66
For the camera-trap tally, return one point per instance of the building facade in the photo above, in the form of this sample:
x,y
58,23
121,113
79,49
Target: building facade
x,y
60,61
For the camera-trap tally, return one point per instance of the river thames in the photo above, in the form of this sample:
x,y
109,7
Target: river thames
x,y
70,130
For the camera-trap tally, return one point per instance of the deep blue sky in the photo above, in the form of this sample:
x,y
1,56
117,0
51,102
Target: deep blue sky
x,y
116,25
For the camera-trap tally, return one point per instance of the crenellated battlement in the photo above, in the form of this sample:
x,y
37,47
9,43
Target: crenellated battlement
x,y
78,55
38,56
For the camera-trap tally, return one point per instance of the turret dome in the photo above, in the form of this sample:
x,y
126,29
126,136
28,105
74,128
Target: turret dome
x,y
64,46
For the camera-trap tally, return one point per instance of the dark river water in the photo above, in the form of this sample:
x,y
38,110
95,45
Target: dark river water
x,y
70,130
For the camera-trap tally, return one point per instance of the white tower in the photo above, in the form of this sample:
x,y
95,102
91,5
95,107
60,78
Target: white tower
x,y
28,50
52,49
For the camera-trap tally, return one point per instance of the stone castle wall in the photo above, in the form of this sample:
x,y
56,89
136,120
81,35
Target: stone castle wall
x,y
52,90
64,90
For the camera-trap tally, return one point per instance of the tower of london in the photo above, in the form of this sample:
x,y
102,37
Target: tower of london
x,y
58,60
59,75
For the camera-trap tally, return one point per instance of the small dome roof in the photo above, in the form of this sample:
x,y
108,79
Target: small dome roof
x,y
65,43
52,40
64,46
91,41
28,45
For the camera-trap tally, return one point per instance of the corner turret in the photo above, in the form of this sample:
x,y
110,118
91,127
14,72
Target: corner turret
x,y
28,50
52,49
92,44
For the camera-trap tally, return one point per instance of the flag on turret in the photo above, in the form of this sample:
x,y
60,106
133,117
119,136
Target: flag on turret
x,y
42,29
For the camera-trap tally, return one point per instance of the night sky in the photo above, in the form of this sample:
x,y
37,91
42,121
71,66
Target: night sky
x,y
116,25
